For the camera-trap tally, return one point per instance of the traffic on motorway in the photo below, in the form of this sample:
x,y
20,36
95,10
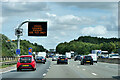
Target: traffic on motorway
x,y
30,61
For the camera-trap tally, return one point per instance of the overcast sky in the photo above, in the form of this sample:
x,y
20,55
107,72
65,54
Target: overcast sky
x,y
66,20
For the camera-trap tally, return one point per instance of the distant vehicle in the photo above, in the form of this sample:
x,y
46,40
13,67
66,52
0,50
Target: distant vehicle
x,y
57,54
114,56
39,54
40,59
54,58
62,59
97,52
78,57
68,55
94,56
87,59
26,62
72,54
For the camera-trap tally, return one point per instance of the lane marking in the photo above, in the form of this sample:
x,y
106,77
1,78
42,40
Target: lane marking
x,y
94,74
47,69
77,66
84,69
44,74
106,66
73,65
8,70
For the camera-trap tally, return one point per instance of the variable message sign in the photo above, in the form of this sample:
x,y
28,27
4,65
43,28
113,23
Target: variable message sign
x,y
37,29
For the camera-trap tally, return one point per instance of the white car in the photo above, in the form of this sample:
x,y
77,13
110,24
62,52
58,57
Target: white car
x,y
94,56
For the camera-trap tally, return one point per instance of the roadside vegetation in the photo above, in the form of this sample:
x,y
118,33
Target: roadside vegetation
x,y
9,46
85,44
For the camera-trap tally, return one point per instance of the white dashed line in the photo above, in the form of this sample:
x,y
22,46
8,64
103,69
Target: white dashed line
x,y
47,69
77,66
94,74
106,66
84,69
44,74
73,65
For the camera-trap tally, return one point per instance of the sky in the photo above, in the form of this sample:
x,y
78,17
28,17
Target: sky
x,y
66,20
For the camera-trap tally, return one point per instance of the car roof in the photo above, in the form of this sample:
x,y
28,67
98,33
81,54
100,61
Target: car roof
x,y
26,56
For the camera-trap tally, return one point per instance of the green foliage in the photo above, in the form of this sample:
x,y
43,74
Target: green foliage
x,y
85,44
9,47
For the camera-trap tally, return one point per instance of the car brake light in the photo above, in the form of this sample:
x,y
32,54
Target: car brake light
x,y
84,57
42,59
58,58
65,58
18,60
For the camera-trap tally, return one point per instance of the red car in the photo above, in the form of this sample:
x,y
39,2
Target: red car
x,y
26,62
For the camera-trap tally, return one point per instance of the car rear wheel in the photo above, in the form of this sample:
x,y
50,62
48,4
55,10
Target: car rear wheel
x,y
34,69
82,63
18,69
57,62
44,63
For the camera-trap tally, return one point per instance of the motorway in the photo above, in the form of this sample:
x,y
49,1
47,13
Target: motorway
x,y
71,70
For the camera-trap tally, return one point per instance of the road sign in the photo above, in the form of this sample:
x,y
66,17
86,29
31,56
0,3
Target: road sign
x,y
37,28
99,52
17,51
30,51
19,32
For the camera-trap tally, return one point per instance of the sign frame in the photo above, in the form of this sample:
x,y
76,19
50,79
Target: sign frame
x,y
37,28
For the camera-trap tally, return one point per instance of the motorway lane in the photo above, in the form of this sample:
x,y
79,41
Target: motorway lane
x,y
75,70
41,69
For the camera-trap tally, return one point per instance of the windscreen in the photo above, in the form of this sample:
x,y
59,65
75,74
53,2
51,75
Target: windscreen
x,y
88,57
40,57
25,60
62,56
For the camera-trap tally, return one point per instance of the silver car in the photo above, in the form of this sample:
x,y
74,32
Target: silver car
x,y
54,58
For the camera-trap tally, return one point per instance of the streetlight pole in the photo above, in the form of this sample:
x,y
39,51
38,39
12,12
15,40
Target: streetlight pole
x,y
18,35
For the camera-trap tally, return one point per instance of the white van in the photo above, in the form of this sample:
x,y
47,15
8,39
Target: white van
x,y
94,56
68,55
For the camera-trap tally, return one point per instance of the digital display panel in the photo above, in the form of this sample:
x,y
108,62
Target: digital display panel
x,y
37,28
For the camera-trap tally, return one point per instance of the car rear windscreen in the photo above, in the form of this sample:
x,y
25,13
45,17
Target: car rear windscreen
x,y
88,57
25,60
62,56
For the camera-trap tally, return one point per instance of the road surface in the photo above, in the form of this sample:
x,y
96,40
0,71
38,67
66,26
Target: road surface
x,y
75,70
71,70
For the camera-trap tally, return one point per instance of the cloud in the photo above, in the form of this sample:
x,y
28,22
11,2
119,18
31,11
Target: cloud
x,y
15,8
63,33
98,30
60,1
91,5
51,15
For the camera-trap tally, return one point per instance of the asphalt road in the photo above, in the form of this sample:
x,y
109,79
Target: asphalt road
x,y
71,70
41,69
75,70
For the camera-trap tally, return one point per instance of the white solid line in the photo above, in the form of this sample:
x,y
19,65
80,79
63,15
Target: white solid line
x,y
94,74
9,70
84,69
44,74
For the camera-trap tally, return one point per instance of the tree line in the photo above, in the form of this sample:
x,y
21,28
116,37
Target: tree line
x,y
9,47
85,44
